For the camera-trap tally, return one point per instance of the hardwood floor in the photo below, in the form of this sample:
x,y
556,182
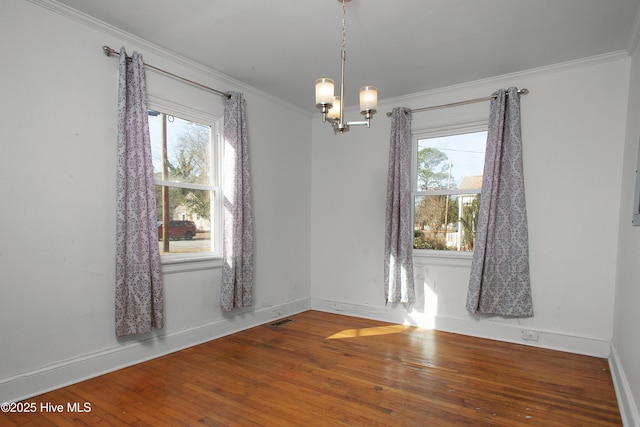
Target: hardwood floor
x,y
322,369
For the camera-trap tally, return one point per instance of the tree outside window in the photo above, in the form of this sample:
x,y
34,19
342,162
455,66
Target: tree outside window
x,y
184,176
448,180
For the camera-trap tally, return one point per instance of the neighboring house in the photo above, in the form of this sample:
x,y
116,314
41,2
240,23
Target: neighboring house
x,y
455,239
202,224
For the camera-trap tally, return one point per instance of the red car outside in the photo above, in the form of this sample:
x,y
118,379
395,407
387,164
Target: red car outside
x,y
179,230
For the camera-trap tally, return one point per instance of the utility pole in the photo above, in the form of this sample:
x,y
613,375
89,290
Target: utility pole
x,y
446,208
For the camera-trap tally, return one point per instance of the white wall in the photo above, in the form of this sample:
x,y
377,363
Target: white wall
x,y
57,221
626,340
573,125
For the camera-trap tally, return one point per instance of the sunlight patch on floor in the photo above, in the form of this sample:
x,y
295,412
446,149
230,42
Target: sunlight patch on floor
x,y
369,332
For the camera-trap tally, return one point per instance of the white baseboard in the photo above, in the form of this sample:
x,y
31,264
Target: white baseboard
x,y
626,403
131,352
485,328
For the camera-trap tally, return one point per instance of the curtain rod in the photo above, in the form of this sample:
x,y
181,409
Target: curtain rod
x,y
456,104
110,51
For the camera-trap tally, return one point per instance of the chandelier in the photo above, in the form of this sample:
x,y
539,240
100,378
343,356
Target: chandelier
x,y
331,106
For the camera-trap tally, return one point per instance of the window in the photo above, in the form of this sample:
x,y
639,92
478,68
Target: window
x,y
185,163
447,183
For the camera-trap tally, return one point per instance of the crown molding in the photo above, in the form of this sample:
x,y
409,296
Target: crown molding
x,y
563,66
148,47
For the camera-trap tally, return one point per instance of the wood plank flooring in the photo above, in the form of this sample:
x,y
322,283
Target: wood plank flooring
x,y
324,369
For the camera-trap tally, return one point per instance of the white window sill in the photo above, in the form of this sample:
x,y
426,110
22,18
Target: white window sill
x,y
179,263
450,258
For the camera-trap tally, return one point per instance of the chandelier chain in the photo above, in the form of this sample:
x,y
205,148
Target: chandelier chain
x,y
344,21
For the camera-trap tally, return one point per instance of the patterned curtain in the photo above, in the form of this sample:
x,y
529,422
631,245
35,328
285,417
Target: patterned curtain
x,y
398,246
499,281
237,267
139,294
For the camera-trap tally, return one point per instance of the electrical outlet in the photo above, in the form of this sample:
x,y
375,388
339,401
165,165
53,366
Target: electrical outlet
x,y
529,335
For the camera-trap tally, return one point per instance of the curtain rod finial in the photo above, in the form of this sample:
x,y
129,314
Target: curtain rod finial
x,y
107,50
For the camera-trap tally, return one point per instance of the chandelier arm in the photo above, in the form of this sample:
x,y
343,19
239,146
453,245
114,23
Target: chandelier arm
x,y
342,104
366,123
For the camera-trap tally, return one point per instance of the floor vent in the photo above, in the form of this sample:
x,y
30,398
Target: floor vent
x,y
281,322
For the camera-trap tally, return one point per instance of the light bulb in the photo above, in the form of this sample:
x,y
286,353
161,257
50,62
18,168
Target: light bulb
x,y
324,91
334,112
368,98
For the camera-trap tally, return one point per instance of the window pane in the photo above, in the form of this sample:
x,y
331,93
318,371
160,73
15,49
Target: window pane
x,y
182,154
188,213
451,162
459,212
187,148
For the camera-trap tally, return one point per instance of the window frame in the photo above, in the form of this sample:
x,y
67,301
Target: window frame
x,y
452,129
180,260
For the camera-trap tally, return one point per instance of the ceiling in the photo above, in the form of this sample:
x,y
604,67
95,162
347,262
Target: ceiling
x,y
401,46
